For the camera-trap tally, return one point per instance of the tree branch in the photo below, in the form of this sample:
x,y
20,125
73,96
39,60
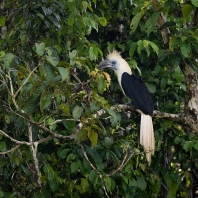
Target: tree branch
x,y
94,168
33,148
25,81
192,86
161,20
15,148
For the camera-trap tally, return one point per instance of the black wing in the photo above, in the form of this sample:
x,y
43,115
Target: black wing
x,y
135,89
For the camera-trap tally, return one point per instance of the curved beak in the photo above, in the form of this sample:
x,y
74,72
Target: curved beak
x,y
104,64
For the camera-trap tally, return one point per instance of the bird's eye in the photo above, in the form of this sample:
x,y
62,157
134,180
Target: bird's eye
x,y
113,62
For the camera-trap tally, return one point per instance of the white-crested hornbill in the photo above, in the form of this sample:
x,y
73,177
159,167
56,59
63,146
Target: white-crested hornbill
x,y
135,89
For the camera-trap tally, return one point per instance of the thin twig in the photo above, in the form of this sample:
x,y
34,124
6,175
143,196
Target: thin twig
x,y
120,167
16,147
25,81
15,141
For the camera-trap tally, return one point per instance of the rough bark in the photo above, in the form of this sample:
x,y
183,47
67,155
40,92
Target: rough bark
x,y
161,20
189,117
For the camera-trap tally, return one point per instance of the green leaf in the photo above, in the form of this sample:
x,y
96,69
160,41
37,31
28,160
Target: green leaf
x,y
70,125
1,194
7,119
77,112
7,60
82,134
133,47
47,71
65,108
84,5
93,136
89,6
185,49
93,176
187,146
196,146
94,106
50,122
195,3
71,157
141,183
71,20
108,142
49,172
89,22
109,183
72,56
135,21
177,140
46,99
74,167
24,39
2,21
84,185
150,24
53,60
173,190
140,46
151,87
132,182
156,69
163,82
154,46
54,185
2,146
40,48
103,21
63,153
41,16
115,117
101,84
2,54
63,72
55,20
186,9
93,53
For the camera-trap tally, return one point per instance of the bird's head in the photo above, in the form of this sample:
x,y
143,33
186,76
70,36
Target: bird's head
x,y
115,62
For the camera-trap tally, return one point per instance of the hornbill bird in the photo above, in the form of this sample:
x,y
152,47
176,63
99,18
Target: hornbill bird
x,y
135,89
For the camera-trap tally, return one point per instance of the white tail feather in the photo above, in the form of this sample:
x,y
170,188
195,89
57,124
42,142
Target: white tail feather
x,y
147,139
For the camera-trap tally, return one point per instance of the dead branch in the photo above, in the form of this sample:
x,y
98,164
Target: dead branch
x,y
33,148
9,151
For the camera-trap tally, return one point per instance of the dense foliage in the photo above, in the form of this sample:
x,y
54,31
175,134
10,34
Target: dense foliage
x,y
51,93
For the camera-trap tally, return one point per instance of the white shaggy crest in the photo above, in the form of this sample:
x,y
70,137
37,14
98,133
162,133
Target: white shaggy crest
x,y
114,55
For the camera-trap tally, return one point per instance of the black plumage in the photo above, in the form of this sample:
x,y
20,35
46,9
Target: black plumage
x,y
135,89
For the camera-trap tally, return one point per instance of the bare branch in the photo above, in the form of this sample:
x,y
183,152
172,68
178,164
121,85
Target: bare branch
x,y
15,148
33,148
25,81
44,139
15,141
44,128
125,161
61,120
192,86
